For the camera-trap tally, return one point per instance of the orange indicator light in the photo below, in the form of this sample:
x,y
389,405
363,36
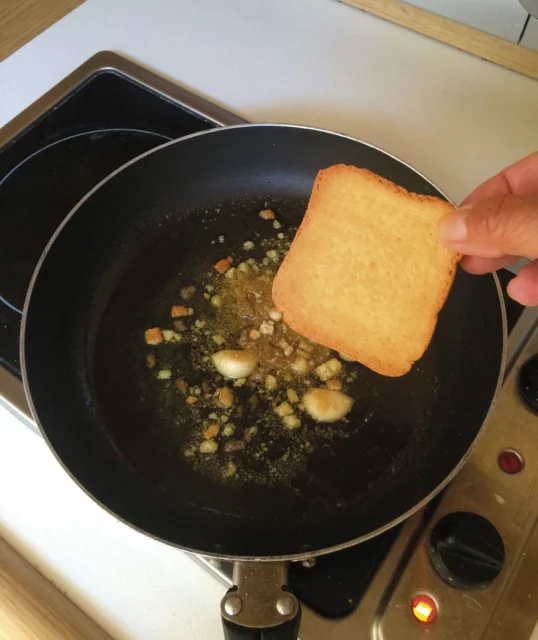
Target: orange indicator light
x,y
424,609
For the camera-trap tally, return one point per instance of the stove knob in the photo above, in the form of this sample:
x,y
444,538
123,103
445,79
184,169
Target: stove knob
x,y
528,382
466,550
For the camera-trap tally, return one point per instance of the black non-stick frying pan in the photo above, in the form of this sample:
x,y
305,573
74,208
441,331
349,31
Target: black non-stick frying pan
x,y
106,276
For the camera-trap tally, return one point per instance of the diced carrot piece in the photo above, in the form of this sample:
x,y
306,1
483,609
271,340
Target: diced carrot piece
x,y
212,431
153,336
223,265
267,214
179,311
182,386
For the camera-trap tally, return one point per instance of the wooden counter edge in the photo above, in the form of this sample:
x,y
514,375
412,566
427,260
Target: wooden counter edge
x,y
478,43
31,608
23,20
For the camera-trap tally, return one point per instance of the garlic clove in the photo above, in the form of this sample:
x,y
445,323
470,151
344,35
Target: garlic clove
x,y
326,405
235,363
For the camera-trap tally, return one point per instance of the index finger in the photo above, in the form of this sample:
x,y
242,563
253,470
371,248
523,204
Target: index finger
x,y
520,178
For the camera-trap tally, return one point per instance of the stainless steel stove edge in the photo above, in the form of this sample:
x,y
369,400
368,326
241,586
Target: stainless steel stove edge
x,y
13,398
109,60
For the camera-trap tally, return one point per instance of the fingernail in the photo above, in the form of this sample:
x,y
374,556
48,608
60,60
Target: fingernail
x,y
523,291
453,228
465,207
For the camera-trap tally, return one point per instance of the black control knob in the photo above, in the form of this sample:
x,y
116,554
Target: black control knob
x,y
466,550
528,382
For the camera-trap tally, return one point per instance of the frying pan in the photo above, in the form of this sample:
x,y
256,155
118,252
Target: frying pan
x,y
108,273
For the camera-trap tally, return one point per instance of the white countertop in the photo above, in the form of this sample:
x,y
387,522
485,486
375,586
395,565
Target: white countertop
x,y
454,117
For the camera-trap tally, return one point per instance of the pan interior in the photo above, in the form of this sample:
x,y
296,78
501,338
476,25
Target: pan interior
x,y
112,271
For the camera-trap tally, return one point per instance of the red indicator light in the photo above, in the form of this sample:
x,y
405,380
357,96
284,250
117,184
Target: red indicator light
x,y
510,461
424,609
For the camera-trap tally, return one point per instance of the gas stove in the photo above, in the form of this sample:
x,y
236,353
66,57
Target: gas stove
x,y
463,567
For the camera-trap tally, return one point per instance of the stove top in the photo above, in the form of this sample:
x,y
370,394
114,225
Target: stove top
x,y
466,562
475,566
105,113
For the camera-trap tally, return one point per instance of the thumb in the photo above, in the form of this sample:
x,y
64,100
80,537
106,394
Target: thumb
x,y
493,228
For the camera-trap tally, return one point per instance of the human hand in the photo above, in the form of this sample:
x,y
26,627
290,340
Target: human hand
x,y
497,224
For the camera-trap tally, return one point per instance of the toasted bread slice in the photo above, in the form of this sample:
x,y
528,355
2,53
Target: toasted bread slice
x,y
366,274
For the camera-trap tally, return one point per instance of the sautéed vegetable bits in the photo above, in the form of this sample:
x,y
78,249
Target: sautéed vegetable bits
x,y
267,393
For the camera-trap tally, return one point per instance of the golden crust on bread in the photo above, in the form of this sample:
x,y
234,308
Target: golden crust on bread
x,y
366,274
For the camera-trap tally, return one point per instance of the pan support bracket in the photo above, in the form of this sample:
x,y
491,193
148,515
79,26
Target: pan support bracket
x,y
260,605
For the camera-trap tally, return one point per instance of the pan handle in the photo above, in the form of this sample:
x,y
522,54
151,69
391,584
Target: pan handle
x,y
260,606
